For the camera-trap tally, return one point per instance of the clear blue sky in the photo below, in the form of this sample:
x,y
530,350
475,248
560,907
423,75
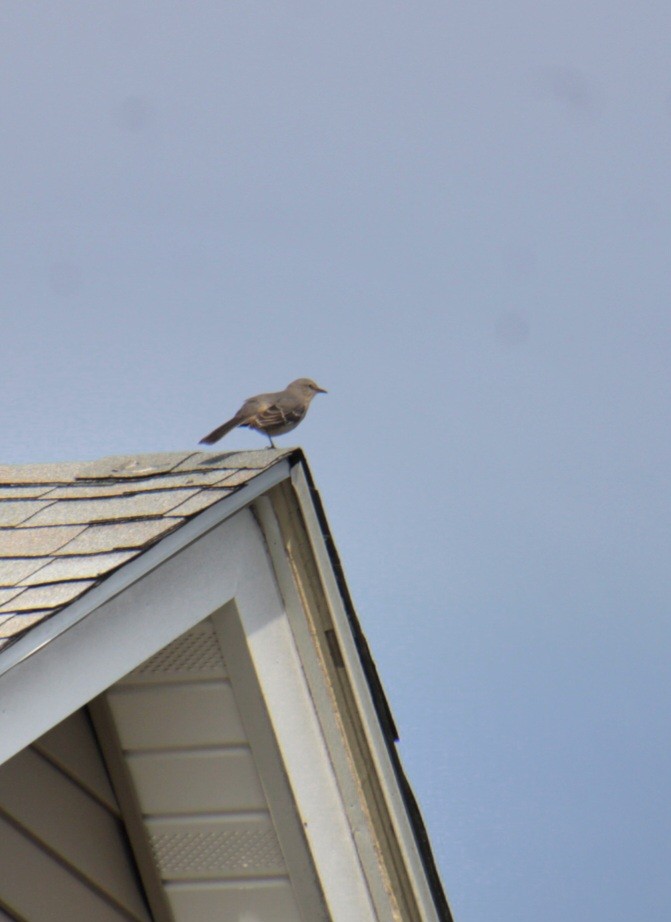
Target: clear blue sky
x,y
457,218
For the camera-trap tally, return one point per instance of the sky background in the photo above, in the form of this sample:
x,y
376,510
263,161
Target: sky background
x,y
457,218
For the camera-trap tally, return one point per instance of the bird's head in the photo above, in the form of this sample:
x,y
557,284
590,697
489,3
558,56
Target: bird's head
x,y
306,386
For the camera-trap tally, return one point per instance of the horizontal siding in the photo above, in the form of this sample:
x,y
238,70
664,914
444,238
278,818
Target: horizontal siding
x,y
62,817
40,889
64,856
72,747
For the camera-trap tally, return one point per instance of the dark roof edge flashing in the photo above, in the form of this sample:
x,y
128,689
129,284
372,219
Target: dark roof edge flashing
x,y
380,702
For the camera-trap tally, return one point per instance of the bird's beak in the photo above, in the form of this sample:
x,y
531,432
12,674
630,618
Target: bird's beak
x,y
320,390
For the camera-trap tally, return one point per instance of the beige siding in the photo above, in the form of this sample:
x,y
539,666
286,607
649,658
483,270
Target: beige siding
x,y
40,889
63,851
72,747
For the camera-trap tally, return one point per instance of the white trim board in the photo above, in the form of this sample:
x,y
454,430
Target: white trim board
x,y
365,705
229,563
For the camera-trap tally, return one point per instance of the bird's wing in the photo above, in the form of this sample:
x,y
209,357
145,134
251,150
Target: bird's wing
x,y
275,413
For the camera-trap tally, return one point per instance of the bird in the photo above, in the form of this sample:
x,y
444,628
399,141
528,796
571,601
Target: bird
x,y
271,414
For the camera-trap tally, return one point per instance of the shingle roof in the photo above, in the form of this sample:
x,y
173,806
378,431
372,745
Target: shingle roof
x,y
65,527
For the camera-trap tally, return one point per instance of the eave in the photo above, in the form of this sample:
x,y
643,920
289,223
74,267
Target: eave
x,y
114,628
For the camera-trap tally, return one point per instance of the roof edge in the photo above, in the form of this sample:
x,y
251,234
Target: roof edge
x,y
64,618
379,698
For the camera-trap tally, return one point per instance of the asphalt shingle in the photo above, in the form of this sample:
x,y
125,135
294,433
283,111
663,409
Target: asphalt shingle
x,y
12,624
7,594
40,473
237,478
14,571
99,539
36,542
65,527
14,513
91,566
129,486
35,597
203,499
252,460
109,508
118,467
30,491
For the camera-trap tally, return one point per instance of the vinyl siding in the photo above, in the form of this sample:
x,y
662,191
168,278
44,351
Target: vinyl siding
x,y
63,850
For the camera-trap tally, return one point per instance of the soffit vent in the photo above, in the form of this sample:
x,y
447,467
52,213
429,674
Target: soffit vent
x,y
235,851
194,655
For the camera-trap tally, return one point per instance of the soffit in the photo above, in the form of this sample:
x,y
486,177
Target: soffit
x,y
207,815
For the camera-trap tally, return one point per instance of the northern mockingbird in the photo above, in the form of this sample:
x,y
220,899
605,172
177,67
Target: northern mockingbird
x,y
271,414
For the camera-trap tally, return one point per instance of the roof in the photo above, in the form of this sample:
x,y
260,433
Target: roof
x,y
65,527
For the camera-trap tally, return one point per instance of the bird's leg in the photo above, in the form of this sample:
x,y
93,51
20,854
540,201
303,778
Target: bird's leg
x,y
272,444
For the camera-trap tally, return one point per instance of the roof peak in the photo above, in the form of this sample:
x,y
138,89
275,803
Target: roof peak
x,y
65,527
147,464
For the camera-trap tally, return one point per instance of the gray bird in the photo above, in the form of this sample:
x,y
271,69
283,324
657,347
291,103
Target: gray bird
x,y
271,414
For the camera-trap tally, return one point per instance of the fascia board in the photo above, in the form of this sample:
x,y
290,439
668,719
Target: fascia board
x,y
331,720
365,704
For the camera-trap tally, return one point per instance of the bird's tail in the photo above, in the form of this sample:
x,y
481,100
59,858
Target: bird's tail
x,y
219,432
